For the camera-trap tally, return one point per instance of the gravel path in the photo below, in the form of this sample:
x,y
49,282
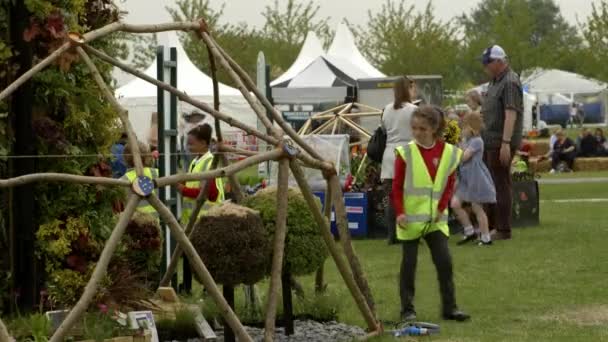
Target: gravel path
x,y
306,331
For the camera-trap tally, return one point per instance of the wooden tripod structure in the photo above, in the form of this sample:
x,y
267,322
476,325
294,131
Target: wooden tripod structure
x,y
286,151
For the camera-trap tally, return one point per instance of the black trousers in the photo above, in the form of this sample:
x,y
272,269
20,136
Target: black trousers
x,y
389,212
557,158
438,245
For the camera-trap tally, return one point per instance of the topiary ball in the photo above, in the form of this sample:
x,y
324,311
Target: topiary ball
x,y
305,250
232,242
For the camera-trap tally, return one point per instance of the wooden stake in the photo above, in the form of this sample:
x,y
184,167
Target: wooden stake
x,y
349,251
356,127
122,113
223,172
100,271
254,103
278,249
323,127
342,266
60,177
183,96
232,169
4,335
275,114
199,267
327,210
235,186
91,36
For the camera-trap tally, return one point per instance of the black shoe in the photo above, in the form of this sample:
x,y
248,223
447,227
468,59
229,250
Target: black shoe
x,y
456,315
467,239
408,316
482,243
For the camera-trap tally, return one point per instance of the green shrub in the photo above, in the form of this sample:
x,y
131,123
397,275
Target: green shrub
x,y
232,242
305,250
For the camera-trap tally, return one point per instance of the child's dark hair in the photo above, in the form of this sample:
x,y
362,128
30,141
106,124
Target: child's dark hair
x,y
434,116
202,133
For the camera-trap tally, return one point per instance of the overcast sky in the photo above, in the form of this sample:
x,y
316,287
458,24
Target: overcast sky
x,y
149,11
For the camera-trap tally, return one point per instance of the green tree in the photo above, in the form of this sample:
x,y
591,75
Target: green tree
x,y
286,28
596,34
533,33
400,40
231,37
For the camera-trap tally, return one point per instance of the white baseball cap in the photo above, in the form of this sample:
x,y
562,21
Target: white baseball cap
x,y
493,53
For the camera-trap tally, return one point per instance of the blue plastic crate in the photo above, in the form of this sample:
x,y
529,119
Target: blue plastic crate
x,y
356,210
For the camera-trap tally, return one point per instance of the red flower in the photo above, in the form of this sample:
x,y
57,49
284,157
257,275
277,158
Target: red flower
x,y
103,308
55,25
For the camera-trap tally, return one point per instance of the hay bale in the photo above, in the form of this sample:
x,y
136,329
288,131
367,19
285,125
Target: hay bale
x,y
232,242
540,148
305,250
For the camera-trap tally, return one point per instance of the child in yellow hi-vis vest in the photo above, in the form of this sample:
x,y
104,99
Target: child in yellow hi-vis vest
x,y
199,142
131,175
421,196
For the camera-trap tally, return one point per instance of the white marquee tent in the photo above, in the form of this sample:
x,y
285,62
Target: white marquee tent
x,y
552,81
140,97
311,49
343,47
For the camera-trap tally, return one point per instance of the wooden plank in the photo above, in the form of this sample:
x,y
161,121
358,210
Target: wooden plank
x,y
167,294
203,328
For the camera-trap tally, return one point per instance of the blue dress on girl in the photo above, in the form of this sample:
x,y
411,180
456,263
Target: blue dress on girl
x,y
475,184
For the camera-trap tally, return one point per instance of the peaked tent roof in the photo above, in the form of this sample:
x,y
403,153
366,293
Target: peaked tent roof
x,y
344,47
189,79
553,81
325,72
311,50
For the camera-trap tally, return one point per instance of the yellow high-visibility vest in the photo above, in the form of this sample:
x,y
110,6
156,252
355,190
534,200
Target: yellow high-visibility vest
x,y
421,195
143,206
198,165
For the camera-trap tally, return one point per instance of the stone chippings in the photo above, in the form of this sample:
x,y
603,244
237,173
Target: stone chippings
x,y
305,331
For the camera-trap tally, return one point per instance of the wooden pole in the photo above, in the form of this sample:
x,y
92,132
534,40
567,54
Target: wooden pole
x,y
275,114
356,127
323,127
223,172
327,210
286,279
200,269
305,128
361,114
253,102
122,113
100,270
91,36
60,177
349,251
278,250
335,128
177,252
232,169
4,335
234,182
342,266
183,96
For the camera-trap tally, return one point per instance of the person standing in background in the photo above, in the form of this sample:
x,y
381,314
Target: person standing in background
x,y
188,123
502,112
396,123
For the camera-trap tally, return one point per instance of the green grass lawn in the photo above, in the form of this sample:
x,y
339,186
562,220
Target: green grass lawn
x,y
591,174
547,284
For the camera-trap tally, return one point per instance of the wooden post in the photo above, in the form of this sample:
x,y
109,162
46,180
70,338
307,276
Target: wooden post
x,y
287,301
122,113
200,269
4,335
253,102
342,266
228,292
100,271
342,223
278,250
327,210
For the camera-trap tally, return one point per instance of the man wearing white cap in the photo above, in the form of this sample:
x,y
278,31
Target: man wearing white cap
x,y
502,111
